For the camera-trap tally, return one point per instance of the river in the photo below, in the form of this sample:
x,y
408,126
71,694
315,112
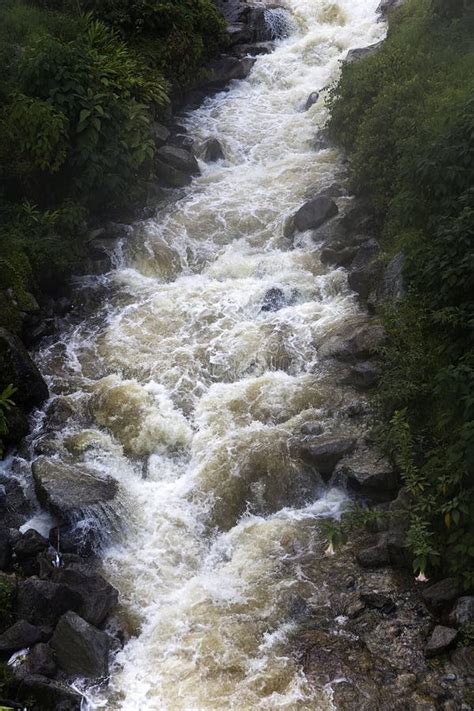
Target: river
x,y
189,394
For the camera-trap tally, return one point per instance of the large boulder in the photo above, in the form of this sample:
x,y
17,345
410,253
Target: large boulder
x,y
5,547
29,545
313,214
225,69
374,556
365,269
17,368
65,488
97,596
15,508
42,602
442,638
311,100
212,150
80,648
41,660
463,611
324,454
363,376
355,55
355,342
370,475
175,165
386,6
439,595
160,133
47,693
21,635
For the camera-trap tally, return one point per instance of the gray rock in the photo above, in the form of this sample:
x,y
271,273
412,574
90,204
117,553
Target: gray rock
x,y
179,158
322,141
212,150
5,547
341,257
370,475
442,638
311,428
21,635
171,177
80,648
273,300
14,506
30,544
41,660
314,213
355,342
63,488
97,596
375,556
42,602
392,286
441,594
254,49
363,376
382,601
324,455
386,6
355,55
399,551
59,411
18,368
48,694
160,133
365,269
225,69
311,100
463,611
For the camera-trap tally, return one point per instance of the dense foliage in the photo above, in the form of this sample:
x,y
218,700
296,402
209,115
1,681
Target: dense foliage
x,y
405,115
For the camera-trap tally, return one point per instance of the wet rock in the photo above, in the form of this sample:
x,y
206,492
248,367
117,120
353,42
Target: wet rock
x,y
363,376
17,367
311,100
30,544
80,648
21,635
273,300
392,286
42,602
48,693
361,342
365,269
322,141
180,158
442,638
379,600
5,547
441,594
340,257
386,6
238,33
375,556
311,429
254,49
62,488
355,55
463,611
59,412
212,150
370,475
159,133
463,659
97,597
41,660
314,213
324,455
225,69
354,608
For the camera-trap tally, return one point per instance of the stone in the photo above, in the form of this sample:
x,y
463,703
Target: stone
x,y
399,551
463,611
370,475
254,49
273,300
160,133
59,411
392,286
5,547
463,660
212,150
354,343
97,596
29,545
314,213
22,634
80,648
441,594
365,269
311,100
322,141
375,556
41,660
355,55
17,368
311,429
171,177
379,600
354,608
225,69
63,488
386,6
179,158
442,638
324,455
363,376
340,257
42,602
48,694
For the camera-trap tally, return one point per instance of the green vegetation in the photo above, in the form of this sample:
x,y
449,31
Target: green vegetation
x,y
81,84
405,115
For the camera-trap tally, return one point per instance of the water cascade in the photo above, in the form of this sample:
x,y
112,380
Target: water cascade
x,y
188,392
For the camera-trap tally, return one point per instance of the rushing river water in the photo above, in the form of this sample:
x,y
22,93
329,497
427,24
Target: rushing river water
x,y
189,393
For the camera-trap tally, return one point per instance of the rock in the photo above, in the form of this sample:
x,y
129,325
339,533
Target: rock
x,y
63,488
324,455
62,306
179,158
314,213
379,600
365,269
59,411
171,177
399,520
370,475
355,55
442,638
311,428
14,506
360,342
392,286
238,32
29,545
463,660
41,660
97,596
5,547
311,100
160,133
212,150
254,49
225,69
321,141
43,602
375,556
354,608
80,648
363,376
463,611
17,367
273,300
386,6
439,595
48,694
21,635
341,257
